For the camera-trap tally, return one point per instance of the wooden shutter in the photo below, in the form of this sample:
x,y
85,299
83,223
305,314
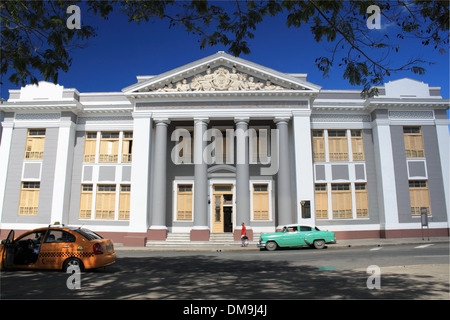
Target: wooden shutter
x,y
419,197
86,202
184,202
337,145
90,146
357,145
321,201
362,207
413,142
341,198
261,201
105,202
318,145
109,147
29,199
34,149
124,202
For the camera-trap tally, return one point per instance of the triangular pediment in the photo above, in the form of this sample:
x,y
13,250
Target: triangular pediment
x,y
220,72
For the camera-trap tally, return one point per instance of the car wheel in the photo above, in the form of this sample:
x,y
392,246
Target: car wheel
x,y
271,246
319,244
73,262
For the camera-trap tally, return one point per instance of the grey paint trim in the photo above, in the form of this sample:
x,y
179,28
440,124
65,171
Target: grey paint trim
x,y
435,181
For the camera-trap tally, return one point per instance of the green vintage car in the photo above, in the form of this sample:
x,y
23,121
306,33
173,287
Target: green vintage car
x,y
294,235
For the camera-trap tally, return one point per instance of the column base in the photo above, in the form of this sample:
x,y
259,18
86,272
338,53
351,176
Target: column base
x,y
199,235
157,234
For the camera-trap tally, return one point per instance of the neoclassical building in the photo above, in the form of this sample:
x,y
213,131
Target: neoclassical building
x,y
201,149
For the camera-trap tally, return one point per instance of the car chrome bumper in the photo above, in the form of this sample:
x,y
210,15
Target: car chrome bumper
x,y
261,244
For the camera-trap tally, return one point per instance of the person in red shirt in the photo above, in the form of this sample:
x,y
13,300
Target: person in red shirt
x,y
244,236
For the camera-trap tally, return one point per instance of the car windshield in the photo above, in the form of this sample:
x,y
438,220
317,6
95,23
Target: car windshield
x,y
88,234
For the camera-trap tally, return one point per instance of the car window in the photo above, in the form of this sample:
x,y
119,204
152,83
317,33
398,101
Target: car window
x,y
58,236
88,234
35,236
305,228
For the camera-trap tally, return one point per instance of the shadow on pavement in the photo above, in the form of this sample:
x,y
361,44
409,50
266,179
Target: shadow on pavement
x,y
209,277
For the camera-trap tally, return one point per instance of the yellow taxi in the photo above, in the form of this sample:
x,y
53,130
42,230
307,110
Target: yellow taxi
x,y
56,247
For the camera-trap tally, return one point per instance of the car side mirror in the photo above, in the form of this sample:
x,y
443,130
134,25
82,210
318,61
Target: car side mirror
x,y
5,241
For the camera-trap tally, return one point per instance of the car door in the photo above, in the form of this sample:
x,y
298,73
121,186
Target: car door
x,y
307,234
292,237
58,245
7,251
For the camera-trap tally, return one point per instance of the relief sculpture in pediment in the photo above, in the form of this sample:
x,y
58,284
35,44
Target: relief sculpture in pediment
x,y
220,80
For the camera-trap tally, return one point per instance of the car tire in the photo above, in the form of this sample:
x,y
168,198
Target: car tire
x,y
73,262
271,246
319,244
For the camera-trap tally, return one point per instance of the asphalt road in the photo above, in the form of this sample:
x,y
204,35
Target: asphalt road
x,y
405,272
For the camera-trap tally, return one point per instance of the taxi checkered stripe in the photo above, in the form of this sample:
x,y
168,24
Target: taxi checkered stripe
x,y
66,254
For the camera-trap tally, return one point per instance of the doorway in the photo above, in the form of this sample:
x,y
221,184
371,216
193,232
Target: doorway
x,y
222,208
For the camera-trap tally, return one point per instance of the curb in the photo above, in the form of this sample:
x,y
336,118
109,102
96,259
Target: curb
x,y
252,246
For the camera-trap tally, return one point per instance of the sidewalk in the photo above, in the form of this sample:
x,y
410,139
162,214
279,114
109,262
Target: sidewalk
x,y
236,245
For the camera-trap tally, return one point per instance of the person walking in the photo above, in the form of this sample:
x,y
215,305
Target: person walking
x,y
244,236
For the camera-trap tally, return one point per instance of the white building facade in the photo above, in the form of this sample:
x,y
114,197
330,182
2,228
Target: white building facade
x,y
222,141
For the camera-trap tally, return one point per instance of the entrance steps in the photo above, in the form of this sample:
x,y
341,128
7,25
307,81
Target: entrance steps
x,y
183,240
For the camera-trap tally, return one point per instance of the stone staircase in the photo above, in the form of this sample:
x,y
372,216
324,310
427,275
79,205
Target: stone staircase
x,y
215,240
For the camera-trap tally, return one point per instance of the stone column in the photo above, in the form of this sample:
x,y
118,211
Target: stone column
x,y
200,231
384,165
304,177
158,229
63,168
242,179
285,212
140,180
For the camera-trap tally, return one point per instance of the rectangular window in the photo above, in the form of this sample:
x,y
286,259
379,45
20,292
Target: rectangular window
x,y
105,202
341,198
109,147
357,145
90,146
337,145
86,201
321,201
318,145
124,202
34,149
184,202
127,146
29,199
261,201
413,142
362,207
419,196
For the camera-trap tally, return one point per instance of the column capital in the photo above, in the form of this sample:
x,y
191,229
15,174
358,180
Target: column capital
x,y
238,120
281,120
161,121
201,120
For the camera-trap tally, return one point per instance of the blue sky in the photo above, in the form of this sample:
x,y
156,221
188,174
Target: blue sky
x,y
122,50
